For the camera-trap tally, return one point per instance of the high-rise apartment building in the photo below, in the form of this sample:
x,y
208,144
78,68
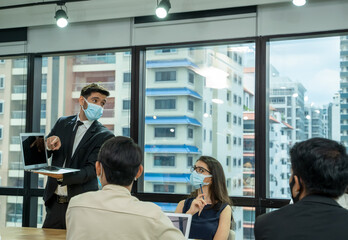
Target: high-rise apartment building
x,y
344,90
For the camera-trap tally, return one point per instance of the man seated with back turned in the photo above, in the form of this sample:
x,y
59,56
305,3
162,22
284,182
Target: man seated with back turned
x,y
113,213
319,176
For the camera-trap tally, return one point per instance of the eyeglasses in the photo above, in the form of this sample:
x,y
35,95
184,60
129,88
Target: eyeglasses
x,y
199,169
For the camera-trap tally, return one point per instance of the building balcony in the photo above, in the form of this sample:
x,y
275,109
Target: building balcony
x,y
344,127
110,86
15,140
344,138
23,89
344,95
344,63
19,89
20,63
344,84
16,166
22,114
96,59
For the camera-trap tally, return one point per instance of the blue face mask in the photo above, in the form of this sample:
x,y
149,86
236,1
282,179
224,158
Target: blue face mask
x,y
93,111
197,179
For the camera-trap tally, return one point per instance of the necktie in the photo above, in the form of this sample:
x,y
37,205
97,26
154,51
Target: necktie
x,y
71,143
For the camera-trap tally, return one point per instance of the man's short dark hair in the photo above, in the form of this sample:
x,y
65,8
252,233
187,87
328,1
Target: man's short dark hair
x,y
322,164
87,90
120,158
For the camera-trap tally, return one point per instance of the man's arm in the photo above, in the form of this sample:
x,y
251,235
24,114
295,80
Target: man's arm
x,y
87,172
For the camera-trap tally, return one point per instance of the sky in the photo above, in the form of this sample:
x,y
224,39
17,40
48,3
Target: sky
x,y
313,62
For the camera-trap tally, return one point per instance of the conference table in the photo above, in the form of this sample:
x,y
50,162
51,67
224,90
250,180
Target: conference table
x,y
27,233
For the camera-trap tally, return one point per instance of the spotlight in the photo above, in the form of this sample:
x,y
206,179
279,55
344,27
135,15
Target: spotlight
x,y
61,16
299,3
163,8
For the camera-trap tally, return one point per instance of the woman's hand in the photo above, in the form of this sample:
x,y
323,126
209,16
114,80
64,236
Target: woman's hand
x,y
197,205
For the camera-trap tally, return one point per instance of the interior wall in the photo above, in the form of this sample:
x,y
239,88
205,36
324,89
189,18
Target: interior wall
x,y
79,36
315,16
238,26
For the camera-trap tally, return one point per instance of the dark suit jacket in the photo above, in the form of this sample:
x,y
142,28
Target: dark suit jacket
x,y
313,218
84,157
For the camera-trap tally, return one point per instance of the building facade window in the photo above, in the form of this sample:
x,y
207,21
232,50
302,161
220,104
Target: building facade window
x,y
165,76
1,106
2,81
165,104
126,131
127,77
126,104
165,132
1,131
190,105
164,161
190,133
189,161
191,77
164,188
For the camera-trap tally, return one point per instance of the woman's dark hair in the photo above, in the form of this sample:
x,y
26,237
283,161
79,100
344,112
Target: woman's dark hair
x,y
218,189
120,158
87,90
322,164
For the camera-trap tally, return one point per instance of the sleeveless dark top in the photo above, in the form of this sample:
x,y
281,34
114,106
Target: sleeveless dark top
x,y
205,225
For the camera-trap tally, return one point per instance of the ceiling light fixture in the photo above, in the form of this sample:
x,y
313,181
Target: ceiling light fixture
x,y
299,3
163,8
61,16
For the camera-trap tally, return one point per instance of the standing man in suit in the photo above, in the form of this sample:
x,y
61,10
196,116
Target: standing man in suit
x,y
74,142
319,176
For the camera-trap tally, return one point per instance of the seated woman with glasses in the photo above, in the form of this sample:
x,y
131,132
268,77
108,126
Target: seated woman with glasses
x,y
209,203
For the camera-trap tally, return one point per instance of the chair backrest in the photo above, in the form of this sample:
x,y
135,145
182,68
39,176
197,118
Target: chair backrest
x,y
231,236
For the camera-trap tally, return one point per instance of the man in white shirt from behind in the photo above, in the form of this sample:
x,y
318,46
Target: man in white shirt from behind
x,y
113,213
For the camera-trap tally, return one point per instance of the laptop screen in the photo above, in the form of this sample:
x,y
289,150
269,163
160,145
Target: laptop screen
x,y
181,221
33,149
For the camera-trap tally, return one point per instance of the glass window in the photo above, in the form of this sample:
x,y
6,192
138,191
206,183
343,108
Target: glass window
x,y
126,104
191,78
313,108
190,133
13,211
63,77
168,161
164,132
199,114
165,76
126,131
165,103
1,106
12,122
163,188
189,161
2,81
190,104
127,77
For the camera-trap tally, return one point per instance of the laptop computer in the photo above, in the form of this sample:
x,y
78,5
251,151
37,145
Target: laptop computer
x,y
182,222
34,155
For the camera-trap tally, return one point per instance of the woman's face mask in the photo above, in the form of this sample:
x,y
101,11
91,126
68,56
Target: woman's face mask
x,y
93,111
197,179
